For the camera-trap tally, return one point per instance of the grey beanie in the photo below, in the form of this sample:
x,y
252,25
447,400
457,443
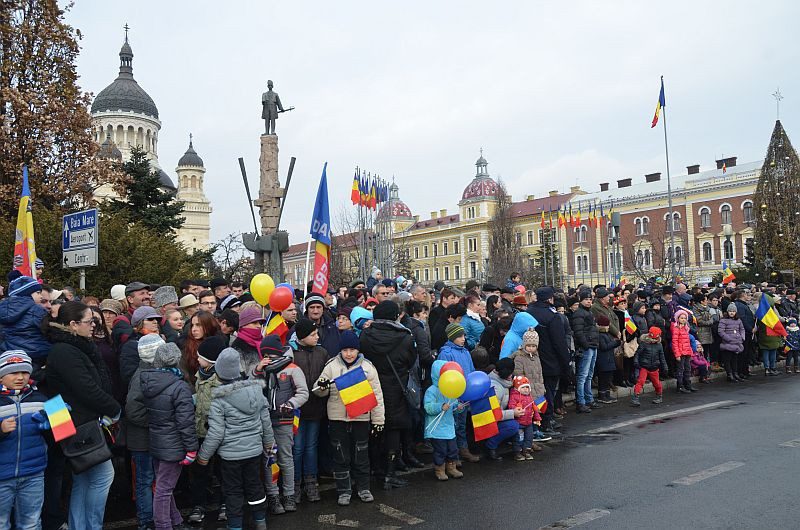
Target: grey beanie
x,y
148,345
164,295
167,355
227,366
732,307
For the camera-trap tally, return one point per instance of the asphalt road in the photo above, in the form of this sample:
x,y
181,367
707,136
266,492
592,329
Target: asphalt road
x,y
725,457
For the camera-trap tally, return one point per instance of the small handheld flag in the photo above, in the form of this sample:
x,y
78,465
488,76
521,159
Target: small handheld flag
x,y
495,403
59,418
662,102
540,403
630,327
356,392
766,314
296,422
484,424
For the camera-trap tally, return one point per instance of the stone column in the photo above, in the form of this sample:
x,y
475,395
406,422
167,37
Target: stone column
x,y
270,192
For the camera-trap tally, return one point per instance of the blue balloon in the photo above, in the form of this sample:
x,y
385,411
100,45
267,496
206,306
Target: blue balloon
x,y
289,285
478,383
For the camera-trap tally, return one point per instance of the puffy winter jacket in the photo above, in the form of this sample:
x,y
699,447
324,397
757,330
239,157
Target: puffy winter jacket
x,y
613,319
287,385
170,414
21,319
605,351
704,322
311,361
129,358
439,425
473,327
529,366
650,354
204,384
522,322
239,426
731,334
23,451
681,343
554,351
137,434
584,329
458,354
336,410
793,339
529,410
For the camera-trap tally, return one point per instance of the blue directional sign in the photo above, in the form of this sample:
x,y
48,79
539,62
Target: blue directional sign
x,y
79,232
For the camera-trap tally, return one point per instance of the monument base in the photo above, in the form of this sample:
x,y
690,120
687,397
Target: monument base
x,y
270,192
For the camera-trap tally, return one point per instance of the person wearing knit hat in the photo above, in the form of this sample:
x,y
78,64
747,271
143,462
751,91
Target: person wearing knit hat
x,y
386,310
349,341
454,331
520,398
251,314
165,298
167,355
111,308
227,365
454,350
683,348
118,293
21,315
520,302
229,302
304,328
508,426
343,322
527,364
15,361
649,359
147,347
210,348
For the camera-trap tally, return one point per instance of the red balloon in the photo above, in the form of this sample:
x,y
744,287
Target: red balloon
x,y
451,365
280,298
520,289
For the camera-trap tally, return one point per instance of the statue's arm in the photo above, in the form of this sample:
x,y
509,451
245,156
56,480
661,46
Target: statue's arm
x,y
278,102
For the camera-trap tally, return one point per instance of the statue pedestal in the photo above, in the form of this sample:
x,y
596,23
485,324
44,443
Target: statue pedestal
x,y
270,192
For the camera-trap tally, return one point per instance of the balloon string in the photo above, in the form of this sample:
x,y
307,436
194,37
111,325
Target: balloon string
x,y
435,422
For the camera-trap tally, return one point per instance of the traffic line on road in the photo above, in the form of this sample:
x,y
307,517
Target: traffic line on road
x,y
577,519
790,443
400,516
645,419
694,478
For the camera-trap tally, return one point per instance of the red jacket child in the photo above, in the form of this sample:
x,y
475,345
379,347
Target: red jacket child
x,y
520,397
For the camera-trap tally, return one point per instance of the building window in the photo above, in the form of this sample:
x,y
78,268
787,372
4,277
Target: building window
x,y
471,212
455,247
416,254
578,264
427,274
727,247
725,212
645,226
416,275
435,250
679,255
580,234
639,259
637,223
436,274
444,248
457,272
647,259
530,237
708,253
705,217
425,251
586,264
747,212
518,238
676,221
473,269
447,273
472,245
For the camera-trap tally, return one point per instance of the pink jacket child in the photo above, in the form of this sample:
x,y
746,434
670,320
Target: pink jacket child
x,y
520,397
681,341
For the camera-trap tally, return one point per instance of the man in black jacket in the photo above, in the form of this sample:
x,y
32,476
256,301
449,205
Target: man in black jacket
x,y
585,333
749,321
553,349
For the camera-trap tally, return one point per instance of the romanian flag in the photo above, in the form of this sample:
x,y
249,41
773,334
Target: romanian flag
x,y
276,472
766,314
724,167
562,218
355,193
321,232
550,218
542,223
277,326
491,395
630,327
660,105
540,403
24,245
296,422
59,418
578,216
602,215
356,392
373,195
610,210
571,217
727,274
484,424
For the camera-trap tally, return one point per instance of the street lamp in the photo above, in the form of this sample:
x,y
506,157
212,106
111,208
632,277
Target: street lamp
x,y
727,231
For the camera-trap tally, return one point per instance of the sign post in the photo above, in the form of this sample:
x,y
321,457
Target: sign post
x,y
79,242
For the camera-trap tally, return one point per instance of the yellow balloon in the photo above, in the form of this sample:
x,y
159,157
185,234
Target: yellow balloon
x,y
452,384
261,286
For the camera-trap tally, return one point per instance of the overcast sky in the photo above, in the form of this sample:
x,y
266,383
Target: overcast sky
x,y
557,93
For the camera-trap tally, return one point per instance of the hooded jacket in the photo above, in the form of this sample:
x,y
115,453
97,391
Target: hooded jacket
x,y
21,321
239,426
529,410
650,354
439,424
204,384
473,327
459,354
501,387
584,329
513,340
529,365
170,414
336,410
23,451
681,343
600,309
359,316
287,385
605,351
731,334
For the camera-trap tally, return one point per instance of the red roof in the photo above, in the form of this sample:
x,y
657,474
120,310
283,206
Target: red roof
x,y
440,221
543,204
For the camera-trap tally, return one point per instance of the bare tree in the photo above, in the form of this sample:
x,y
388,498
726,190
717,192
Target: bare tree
x,y
231,260
505,255
637,265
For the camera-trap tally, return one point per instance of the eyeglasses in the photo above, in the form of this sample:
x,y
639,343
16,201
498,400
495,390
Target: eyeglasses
x,y
87,321
153,319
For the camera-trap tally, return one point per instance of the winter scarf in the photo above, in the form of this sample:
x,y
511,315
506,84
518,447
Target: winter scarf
x,y
251,336
8,392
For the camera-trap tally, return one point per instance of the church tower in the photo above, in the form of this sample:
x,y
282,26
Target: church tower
x,y
195,233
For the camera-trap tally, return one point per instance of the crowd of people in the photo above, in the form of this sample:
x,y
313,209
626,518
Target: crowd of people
x,y
180,390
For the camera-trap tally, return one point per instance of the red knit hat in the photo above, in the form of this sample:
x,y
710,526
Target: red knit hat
x,y
520,381
654,332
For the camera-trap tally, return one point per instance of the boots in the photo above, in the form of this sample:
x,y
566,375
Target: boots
x,y
274,505
583,408
466,455
297,492
635,400
259,524
312,488
452,470
391,480
440,473
411,460
494,456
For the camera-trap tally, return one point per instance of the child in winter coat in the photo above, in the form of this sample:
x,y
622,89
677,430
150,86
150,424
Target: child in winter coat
x,y
683,351
793,345
454,350
350,436
649,358
527,363
605,364
519,398
731,341
699,361
173,437
21,319
240,430
440,426
23,450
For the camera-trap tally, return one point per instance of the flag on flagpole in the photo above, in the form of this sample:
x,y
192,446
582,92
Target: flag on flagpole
x,y
355,194
766,314
724,167
660,105
321,232
602,214
24,242
562,218
571,217
578,215
727,273
541,224
550,216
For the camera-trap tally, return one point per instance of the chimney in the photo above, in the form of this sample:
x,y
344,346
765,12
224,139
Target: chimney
x,y
416,218
443,213
652,177
575,189
553,193
729,162
623,183
529,197
433,214
693,169
604,186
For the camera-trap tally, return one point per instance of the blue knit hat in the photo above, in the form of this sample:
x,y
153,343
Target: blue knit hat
x,y
23,286
348,339
13,361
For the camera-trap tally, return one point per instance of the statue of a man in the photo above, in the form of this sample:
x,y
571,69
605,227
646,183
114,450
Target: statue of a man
x,y
270,107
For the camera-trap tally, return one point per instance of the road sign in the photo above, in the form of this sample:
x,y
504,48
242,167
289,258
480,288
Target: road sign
x,y
79,241
704,279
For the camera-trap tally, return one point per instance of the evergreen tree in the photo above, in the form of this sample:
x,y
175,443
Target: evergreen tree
x,y
546,268
777,200
144,200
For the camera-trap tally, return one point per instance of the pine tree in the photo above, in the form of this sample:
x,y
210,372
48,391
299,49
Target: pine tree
x,y
144,201
777,200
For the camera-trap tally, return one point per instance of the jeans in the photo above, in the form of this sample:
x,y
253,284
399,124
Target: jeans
x,y
507,429
583,387
241,481
305,449
524,438
25,495
444,450
143,466
165,512
769,358
350,444
87,504
461,430
284,441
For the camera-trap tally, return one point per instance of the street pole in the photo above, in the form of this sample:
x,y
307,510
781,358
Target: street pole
x,y
669,192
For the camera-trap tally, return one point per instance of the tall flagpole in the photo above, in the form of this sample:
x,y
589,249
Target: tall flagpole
x,y
669,190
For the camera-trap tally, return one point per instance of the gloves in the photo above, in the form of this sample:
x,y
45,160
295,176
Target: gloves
x,y
189,459
324,383
287,409
41,421
377,429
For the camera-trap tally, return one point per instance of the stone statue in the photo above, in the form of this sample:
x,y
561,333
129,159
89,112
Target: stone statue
x,y
270,108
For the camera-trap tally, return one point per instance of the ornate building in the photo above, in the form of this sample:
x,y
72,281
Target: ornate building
x,y
124,116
